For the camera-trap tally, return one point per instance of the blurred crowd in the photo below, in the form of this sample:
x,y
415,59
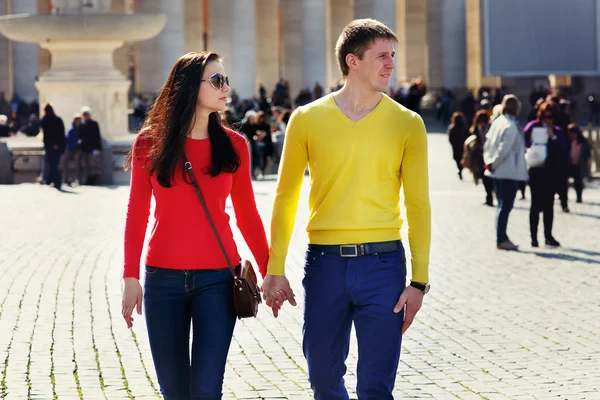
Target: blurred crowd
x,y
551,149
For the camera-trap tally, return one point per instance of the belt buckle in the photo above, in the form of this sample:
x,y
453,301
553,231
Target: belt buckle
x,y
349,246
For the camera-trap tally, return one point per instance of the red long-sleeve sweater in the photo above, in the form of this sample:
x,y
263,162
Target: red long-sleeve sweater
x,y
182,237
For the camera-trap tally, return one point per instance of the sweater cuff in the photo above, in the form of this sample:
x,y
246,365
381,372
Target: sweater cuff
x,y
420,271
276,266
131,272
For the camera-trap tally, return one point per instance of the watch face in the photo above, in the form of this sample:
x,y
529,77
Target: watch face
x,y
426,289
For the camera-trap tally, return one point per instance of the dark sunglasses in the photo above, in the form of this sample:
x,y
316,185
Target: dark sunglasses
x,y
217,81
548,116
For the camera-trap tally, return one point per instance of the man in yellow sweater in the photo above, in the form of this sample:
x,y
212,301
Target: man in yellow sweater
x,y
360,147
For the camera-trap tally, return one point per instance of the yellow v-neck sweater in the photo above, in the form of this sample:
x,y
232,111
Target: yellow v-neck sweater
x,y
356,172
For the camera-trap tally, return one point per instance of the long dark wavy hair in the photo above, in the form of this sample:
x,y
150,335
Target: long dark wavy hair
x,y
170,121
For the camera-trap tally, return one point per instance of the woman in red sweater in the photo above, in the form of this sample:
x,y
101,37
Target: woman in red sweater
x,y
187,276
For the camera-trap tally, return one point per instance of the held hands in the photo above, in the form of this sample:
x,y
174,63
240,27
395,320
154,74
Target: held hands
x,y
132,298
276,290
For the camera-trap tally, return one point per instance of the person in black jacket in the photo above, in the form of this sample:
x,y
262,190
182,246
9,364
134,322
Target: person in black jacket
x,y
580,152
4,130
264,142
457,134
91,148
248,129
54,144
32,128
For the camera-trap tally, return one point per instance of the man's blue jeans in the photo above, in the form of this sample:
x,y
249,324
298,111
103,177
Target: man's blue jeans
x,y
363,290
506,191
173,300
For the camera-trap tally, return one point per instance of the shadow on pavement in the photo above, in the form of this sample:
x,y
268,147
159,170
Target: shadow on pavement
x,y
562,257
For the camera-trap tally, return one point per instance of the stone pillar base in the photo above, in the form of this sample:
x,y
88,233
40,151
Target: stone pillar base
x,y
83,74
107,99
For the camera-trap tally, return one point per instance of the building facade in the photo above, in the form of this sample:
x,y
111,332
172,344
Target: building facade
x,y
441,41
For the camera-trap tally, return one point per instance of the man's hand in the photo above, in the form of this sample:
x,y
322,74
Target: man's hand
x,y
276,290
413,299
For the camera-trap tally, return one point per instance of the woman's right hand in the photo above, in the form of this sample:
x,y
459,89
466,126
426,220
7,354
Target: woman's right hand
x,y
132,298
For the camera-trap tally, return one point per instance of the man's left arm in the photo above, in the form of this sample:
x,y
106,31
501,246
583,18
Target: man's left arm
x,y
415,179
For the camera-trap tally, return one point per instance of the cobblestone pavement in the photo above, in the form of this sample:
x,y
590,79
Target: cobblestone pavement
x,y
496,325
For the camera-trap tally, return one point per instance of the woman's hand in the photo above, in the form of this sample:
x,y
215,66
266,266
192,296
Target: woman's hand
x,y
132,298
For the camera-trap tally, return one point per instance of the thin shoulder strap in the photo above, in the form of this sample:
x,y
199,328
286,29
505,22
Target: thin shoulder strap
x,y
188,167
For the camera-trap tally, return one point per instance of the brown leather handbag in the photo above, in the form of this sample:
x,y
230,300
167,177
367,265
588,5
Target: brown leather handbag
x,y
246,293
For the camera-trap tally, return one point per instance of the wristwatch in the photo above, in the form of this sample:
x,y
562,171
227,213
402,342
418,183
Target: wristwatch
x,y
422,287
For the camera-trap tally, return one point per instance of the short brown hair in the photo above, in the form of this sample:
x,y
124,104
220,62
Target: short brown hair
x,y
511,105
357,37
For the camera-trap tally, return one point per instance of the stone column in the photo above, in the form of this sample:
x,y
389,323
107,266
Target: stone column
x,y
435,26
385,11
413,45
267,44
220,30
5,58
316,49
475,77
342,14
121,56
156,57
243,19
291,31
194,25
363,9
453,44
25,56
43,54
559,81
83,73
118,6
234,29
